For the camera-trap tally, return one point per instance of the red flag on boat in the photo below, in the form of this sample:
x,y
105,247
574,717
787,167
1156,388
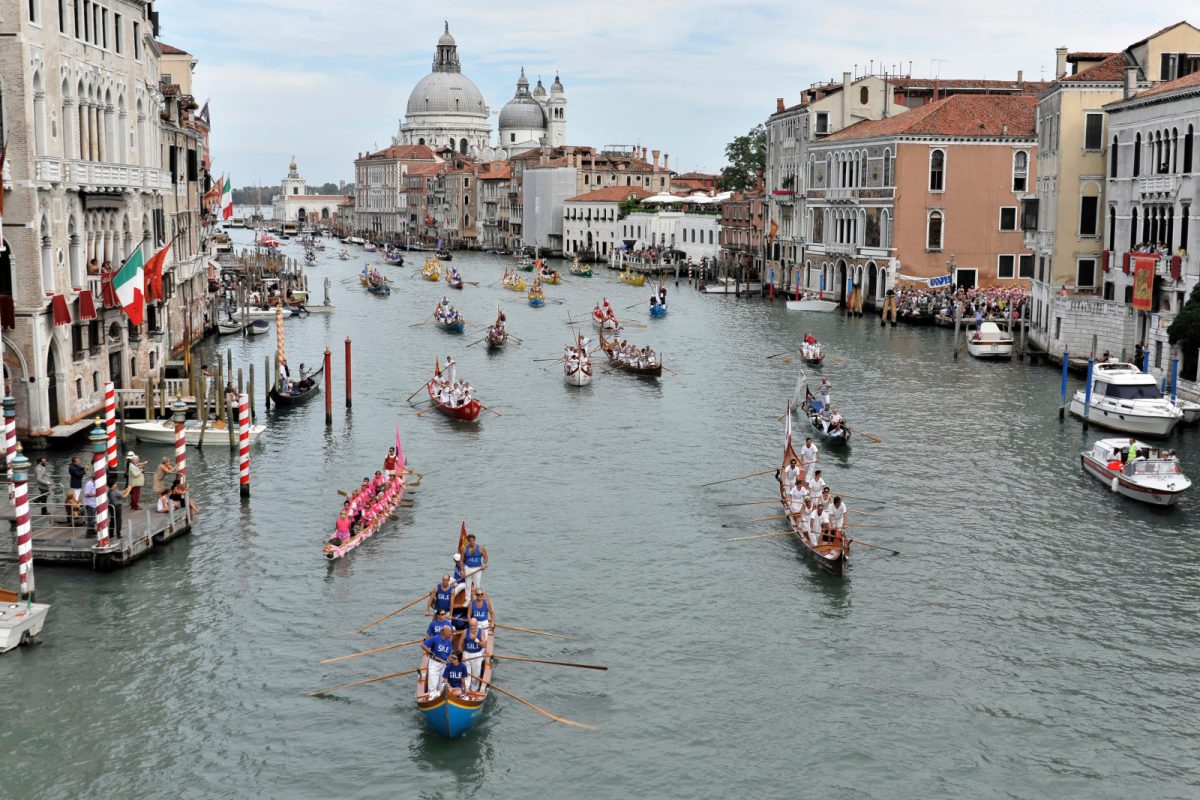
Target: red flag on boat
x,y
399,450
462,538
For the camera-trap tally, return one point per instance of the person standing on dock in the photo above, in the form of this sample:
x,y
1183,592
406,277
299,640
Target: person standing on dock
x,y
475,558
76,473
42,478
135,480
160,475
89,506
116,499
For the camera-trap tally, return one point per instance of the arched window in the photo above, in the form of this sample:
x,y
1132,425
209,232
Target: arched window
x,y
1112,159
1133,229
863,96
1112,227
96,380
885,229
1020,180
1174,150
862,170
39,115
1137,155
1187,150
46,257
421,140
933,231
937,171
462,146
887,167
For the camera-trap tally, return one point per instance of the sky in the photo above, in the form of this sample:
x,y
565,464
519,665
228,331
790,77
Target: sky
x,y
324,81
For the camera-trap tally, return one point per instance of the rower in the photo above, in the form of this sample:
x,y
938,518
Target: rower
x,y
473,650
796,496
837,515
792,473
439,649
475,558
440,620
481,611
389,461
440,597
818,483
825,389
456,675
809,456
820,523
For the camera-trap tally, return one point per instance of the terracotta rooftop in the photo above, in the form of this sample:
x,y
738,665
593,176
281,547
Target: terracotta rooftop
x,y
961,115
1186,82
414,152
611,194
496,171
169,50
969,84
1084,55
426,169
696,176
1112,68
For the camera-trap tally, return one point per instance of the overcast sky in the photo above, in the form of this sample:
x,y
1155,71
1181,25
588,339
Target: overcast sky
x,y
325,80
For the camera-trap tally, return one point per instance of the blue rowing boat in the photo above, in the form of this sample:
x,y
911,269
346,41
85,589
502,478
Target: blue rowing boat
x,y
658,311
537,302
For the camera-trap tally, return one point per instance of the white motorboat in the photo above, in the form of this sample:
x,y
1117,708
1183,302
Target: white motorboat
x,y
20,621
231,327
731,286
258,327
812,302
354,240
163,431
1152,476
988,341
1191,411
1126,399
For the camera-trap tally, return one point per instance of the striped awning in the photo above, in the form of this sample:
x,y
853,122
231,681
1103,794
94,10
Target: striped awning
x,y
87,307
62,314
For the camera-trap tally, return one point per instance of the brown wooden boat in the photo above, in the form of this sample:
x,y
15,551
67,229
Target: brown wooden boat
x,y
610,350
829,556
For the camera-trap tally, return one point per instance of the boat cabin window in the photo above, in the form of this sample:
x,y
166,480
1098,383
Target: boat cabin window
x,y
1145,391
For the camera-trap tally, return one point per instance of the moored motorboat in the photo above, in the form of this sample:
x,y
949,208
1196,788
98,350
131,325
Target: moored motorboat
x,y
20,620
577,364
258,327
1124,398
163,431
1153,475
812,302
988,341
1191,411
231,326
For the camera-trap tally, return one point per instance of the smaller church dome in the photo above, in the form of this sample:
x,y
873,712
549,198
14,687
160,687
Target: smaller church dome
x,y
523,112
446,38
539,90
556,87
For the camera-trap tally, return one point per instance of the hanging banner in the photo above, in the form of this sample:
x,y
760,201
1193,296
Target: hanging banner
x,y
932,283
1143,282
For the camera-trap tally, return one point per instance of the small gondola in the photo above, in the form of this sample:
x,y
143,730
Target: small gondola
x,y
610,350
497,334
830,556
306,387
812,410
467,412
445,255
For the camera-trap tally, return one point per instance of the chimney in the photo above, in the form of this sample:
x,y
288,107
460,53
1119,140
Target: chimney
x,y
1060,66
666,160
846,79
778,104
1020,76
1130,81
655,153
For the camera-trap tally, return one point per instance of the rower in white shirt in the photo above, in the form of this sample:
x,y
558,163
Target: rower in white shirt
x,y
817,485
809,457
796,496
837,515
821,522
792,473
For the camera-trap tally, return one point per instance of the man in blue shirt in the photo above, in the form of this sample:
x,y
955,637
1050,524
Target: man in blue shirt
x,y
76,472
440,596
440,620
473,652
475,559
439,649
456,676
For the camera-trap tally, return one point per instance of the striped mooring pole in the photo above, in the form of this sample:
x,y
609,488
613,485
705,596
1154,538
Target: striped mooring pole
x,y
110,423
20,472
180,415
100,483
244,445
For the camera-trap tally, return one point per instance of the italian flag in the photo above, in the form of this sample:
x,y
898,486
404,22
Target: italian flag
x,y
130,285
227,199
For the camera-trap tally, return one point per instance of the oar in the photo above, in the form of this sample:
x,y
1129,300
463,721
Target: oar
x,y
425,410
560,358
749,503
760,519
527,630
784,353
864,525
635,305
477,341
394,613
322,692
866,513
422,322
668,369
369,652
740,477
473,283
494,411
555,663
424,385
868,544
867,436
542,711
758,536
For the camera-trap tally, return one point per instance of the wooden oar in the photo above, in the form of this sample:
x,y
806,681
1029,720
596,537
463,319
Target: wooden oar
x,y
749,503
369,652
477,341
332,689
635,305
868,544
784,353
539,633
422,322
394,613
494,411
867,513
758,536
424,385
555,663
760,519
473,283
560,358
863,525
668,369
542,711
866,436
425,410
740,477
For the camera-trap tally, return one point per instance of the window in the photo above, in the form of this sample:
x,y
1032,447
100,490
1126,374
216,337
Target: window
x,y
34,11
1085,273
1020,171
137,40
1187,150
62,16
1008,218
1112,227
118,42
1026,266
933,231
1137,155
822,122
1006,267
104,27
887,167
1093,130
937,171
1088,216
863,96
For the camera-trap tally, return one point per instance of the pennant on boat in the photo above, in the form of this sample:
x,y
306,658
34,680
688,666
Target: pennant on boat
x,y
787,425
129,284
462,537
399,450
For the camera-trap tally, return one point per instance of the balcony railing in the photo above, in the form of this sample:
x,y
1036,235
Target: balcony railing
x,y
1158,184
99,175
842,193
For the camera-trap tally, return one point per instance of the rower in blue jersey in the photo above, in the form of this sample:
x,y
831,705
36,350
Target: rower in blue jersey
x,y
439,649
440,597
440,620
472,651
475,558
456,676
483,613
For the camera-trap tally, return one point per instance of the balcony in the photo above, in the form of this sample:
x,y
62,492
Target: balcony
x,y
98,176
840,248
842,193
1158,185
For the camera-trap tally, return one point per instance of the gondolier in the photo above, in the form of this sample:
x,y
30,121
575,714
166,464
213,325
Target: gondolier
x,y
809,458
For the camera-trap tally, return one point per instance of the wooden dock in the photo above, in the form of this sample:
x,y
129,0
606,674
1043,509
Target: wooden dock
x,y
58,540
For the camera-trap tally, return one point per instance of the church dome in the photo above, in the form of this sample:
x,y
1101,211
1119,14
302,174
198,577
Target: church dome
x,y
446,93
523,112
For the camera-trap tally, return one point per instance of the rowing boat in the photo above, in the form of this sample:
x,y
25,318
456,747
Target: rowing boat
x,y
497,334
380,288
610,350
337,548
453,715
516,286
633,278
452,322
829,556
308,386
580,270
578,371
551,277
658,310
455,280
467,412
432,271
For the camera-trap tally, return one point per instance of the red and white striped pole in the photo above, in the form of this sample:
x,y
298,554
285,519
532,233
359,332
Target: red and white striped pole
x,y
20,472
100,483
10,433
244,445
180,409
110,423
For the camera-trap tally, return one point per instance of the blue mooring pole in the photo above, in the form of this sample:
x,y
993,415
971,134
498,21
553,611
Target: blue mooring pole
x,y
1145,359
1087,392
1174,376
1062,408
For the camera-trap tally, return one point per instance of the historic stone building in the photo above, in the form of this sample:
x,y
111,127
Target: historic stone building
x,y
294,204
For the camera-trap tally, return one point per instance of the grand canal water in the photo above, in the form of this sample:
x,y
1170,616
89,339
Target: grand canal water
x,y
1036,639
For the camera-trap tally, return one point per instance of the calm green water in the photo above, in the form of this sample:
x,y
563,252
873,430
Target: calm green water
x,y
1036,639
